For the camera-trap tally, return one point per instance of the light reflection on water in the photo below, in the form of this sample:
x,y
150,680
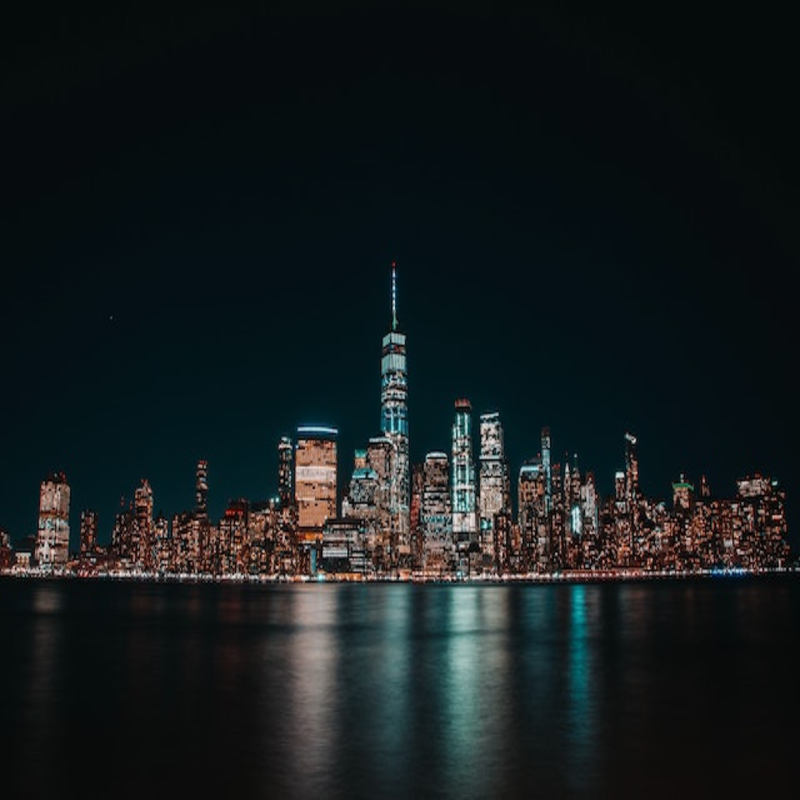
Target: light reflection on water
x,y
399,690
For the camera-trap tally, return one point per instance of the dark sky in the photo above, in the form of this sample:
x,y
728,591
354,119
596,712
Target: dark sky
x,y
594,216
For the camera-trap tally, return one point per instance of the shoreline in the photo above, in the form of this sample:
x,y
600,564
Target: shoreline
x,y
566,577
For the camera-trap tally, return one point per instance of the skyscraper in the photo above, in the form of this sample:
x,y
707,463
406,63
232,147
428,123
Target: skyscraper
x,y
286,472
88,543
315,480
494,482
631,469
465,524
142,545
201,490
548,474
52,537
394,426
436,514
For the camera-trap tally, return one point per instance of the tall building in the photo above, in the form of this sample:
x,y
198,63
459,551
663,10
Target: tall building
x,y
380,459
201,490
682,493
548,472
286,472
436,517
631,469
417,485
88,543
52,537
394,426
363,500
143,538
494,482
315,480
465,521
531,489
233,540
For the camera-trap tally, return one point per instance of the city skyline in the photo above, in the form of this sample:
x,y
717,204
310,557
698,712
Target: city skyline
x,y
592,235
429,520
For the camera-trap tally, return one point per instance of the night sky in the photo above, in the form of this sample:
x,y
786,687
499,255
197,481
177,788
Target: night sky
x,y
594,217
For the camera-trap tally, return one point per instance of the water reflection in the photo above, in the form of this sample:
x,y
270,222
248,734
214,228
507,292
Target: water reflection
x,y
461,732
398,690
43,752
310,727
580,704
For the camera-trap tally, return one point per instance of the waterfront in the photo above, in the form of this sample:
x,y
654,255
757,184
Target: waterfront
x,y
604,689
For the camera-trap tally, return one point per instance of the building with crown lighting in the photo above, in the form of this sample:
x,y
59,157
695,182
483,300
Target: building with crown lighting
x,y
394,426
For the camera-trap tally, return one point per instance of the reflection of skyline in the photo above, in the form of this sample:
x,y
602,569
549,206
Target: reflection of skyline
x,y
581,708
37,732
311,726
394,690
475,730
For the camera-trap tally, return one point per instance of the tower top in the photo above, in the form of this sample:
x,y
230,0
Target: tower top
x,y
394,295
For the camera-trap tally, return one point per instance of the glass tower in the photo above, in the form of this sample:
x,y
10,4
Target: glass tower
x,y
465,527
394,426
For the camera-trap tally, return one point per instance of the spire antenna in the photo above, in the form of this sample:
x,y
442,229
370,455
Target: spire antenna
x,y
394,295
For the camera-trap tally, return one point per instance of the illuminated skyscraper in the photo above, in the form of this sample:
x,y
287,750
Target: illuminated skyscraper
x,y
363,499
631,469
315,480
415,513
88,531
494,482
143,540
465,521
286,472
52,537
201,490
394,426
233,549
436,516
531,512
682,493
546,467
380,459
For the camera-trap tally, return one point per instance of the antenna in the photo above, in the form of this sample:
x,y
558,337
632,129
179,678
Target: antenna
x,y
394,295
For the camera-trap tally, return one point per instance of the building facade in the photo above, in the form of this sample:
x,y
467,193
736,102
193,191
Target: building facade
x,y
436,516
464,497
493,483
52,536
315,480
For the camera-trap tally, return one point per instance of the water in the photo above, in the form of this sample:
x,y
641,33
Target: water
x,y
645,689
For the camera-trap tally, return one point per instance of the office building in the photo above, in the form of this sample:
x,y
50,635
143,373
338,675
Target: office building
x,y
464,500
52,537
315,480
493,481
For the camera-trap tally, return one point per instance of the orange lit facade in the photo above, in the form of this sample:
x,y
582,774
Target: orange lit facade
x,y
315,480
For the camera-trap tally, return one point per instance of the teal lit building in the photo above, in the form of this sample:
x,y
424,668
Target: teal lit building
x,y
394,427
